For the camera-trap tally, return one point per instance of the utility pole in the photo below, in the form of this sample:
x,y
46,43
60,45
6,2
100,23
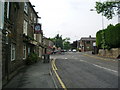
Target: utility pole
x,y
118,12
103,36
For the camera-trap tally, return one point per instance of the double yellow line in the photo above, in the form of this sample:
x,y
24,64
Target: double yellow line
x,y
58,77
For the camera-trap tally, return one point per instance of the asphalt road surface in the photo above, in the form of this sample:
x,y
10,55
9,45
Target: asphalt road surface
x,y
78,70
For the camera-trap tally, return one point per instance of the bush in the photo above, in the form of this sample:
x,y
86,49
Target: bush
x,y
111,37
32,58
99,39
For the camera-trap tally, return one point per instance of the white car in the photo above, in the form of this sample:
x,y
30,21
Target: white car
x,y
74,50
69,50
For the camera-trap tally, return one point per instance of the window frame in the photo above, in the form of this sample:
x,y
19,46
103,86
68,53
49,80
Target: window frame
x,y
29,51
8,9
35,36
24,51
13,52
40,51
2,15
25,27
87,42
35,20
26,7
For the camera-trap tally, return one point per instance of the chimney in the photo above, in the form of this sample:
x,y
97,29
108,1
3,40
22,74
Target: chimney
x,y
89,36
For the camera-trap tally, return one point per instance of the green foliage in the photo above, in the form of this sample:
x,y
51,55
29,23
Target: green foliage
x,y
111,37
108,8
60,42
32,58
67,45
99,38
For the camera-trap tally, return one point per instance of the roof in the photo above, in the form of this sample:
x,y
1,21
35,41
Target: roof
x,y
88,39
33,9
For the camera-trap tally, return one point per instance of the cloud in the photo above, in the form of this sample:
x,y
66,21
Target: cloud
x,y
70,18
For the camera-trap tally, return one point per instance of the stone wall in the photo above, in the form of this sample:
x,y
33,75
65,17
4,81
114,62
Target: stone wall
x,y
113,53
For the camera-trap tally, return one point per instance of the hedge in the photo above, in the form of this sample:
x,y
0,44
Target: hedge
x,y
111,37
32,58
99,38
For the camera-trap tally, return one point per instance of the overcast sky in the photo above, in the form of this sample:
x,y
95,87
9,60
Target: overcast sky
x,y
69,18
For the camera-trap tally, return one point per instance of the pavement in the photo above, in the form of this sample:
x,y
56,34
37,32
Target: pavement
x,y
96,55
33,76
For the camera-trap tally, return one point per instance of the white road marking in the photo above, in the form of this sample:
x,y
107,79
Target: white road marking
x,y
84,61
105,68
100,66
75,58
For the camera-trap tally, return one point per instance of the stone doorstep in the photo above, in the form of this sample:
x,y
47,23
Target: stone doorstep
x,y
11,76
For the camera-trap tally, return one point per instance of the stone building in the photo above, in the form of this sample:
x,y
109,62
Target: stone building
x,y
18,38
86,43
1,28
48,46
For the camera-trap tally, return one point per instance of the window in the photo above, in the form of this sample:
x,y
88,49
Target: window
x,y
40,51
35,36
1,15
88,42
25,7
28,50
40,39
35,20
12,52
8,6
24,51
30,22
25,26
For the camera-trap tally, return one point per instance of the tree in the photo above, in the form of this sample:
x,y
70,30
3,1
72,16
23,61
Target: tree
x,y
66,44
108,9
60,42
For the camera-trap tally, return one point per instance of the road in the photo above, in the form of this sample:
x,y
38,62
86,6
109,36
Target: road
x,y
79,70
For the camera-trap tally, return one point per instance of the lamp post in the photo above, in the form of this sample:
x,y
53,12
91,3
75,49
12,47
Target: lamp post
x,y
103,37
101,19
118,12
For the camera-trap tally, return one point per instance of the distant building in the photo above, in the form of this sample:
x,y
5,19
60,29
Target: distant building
x,y
86,43
48,45
74,45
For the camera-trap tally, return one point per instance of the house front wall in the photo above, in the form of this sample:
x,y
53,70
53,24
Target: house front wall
x,y
13,41
86,45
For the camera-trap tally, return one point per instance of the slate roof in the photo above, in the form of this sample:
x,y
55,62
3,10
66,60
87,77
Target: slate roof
x,y
88,39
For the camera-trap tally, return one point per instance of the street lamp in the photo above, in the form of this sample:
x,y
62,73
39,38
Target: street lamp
x,y
103,37
102,18
118,12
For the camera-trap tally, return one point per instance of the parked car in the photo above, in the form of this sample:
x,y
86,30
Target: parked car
x,y
74,50
69,50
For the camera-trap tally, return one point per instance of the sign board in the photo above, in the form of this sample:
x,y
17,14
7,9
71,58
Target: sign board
x,y
94,43
37,28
